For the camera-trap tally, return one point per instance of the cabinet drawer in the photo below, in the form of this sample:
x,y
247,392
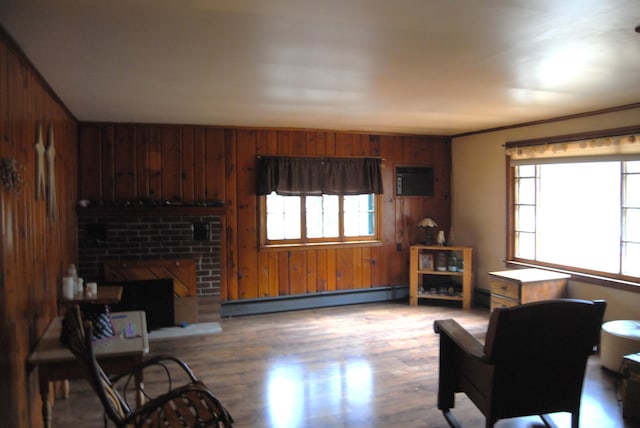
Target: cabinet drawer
x,y
502,302
506,289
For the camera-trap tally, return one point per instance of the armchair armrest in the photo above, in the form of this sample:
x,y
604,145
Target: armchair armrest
x,y
194,404
461,337
175,369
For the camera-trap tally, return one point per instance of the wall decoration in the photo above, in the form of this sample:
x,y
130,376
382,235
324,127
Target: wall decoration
x,y
40,154
52,207
11,174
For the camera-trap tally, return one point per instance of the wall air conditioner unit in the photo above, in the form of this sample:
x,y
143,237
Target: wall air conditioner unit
x,y
414,181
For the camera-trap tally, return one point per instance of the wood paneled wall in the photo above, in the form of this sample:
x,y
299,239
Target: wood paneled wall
x,y
35,248
189,164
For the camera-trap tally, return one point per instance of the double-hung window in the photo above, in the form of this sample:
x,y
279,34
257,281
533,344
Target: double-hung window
x,y
318,200
576,205
317,219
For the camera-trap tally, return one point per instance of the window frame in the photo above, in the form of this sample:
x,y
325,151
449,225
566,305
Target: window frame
x,y
618,281
304,243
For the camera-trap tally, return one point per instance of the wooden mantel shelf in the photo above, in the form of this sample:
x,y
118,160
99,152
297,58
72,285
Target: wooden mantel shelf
x,y
152,211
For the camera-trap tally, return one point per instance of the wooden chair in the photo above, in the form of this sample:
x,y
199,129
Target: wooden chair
x,y
532,363
191,404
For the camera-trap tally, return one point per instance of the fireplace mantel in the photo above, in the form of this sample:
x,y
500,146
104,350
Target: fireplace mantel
x,y
152,211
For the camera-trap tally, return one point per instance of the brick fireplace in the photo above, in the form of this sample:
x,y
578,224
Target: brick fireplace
x,y
113,237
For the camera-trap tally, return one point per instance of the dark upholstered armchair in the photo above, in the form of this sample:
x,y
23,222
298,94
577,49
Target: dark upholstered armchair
x,y
187,404
532,363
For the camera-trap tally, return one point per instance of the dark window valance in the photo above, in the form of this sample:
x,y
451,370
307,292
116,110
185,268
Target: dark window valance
x,y
290,176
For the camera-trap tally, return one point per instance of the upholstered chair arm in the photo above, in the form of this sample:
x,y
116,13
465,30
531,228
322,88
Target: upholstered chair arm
x,y
461,337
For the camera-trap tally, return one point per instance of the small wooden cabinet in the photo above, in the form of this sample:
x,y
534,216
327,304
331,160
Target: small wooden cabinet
x,y
422,263
518,286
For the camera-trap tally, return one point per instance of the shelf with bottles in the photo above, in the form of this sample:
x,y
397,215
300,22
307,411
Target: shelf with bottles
x,y
451,261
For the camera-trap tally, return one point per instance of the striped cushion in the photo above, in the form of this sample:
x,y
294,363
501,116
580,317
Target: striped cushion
x,y
100,318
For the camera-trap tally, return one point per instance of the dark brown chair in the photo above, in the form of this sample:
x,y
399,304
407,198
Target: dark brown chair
x,y
532,363
191,404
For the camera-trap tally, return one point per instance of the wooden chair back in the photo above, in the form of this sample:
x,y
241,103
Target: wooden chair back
x,y
76,335
539,353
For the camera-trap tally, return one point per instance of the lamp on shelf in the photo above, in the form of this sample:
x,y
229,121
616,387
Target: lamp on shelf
x,y
428,224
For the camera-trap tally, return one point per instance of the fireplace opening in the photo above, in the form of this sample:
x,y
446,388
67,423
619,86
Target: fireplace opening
x,y
153,296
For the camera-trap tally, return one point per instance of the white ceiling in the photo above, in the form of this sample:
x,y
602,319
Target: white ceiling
x,y
407,66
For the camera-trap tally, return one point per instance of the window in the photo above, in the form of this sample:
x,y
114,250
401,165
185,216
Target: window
x,y
318,200
320,219
581,213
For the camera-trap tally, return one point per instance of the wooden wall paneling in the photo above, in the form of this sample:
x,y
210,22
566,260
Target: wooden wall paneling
x,y
4,100
199,171
171,165
375,261
247,229
273,258
266,142
332,269
344,144
319,143
365,271
142,162
125,163
311,144
188,166
90,177
267,260
360,145
282,143
107,160
322,273
344,266
10,321
311,266
283,273
297,272
33,247
217,169
155,163
374,145
262,279
358,269
230,292
298,143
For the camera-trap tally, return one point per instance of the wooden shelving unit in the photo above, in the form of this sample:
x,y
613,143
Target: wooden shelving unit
x,y
417,271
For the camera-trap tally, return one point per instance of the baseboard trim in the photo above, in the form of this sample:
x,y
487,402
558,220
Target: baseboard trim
x,y
312,301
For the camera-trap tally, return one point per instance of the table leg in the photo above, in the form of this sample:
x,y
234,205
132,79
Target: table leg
x,y
45,387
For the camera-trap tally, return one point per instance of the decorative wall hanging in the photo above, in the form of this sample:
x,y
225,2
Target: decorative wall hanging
x,y
52,208
11,174
40,154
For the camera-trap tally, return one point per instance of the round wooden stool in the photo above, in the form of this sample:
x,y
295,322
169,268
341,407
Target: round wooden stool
x,y
618,338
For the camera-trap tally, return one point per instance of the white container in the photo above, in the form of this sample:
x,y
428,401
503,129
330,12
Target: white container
x,y
68,287
91,289
79,289
71,271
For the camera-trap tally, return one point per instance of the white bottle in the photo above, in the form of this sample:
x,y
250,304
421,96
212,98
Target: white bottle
x,y
71,271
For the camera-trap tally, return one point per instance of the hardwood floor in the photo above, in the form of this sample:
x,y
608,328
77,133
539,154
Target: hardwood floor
x,y
373,365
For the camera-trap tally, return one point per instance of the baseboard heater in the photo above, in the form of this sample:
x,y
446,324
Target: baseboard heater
x,y
312,301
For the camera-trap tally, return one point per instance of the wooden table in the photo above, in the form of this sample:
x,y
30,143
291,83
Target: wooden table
x,y
517,286
116,355
106,295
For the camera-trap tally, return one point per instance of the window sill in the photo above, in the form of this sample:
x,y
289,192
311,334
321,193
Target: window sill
x,y
320,246
618,284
